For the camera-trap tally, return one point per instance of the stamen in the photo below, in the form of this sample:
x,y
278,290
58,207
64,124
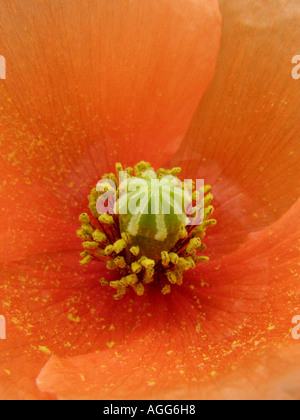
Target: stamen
x,y
145,247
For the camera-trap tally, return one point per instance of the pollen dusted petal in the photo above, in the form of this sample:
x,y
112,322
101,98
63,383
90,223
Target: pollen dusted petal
x,y
54,145
244,139
227,337
83,83
87,84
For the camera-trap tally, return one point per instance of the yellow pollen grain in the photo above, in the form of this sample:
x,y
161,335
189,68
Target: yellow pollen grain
x,y
111,344
135,250
166,290
151,383
271,328
73,318
45,350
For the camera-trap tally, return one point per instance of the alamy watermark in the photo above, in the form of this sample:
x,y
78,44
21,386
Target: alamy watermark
x,y
167,195
2,328
296,68
296,329
2,67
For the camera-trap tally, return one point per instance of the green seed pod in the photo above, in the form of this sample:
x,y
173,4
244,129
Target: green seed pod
x,y
152,211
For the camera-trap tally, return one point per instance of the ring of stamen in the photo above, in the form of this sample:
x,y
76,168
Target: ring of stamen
x,y
127,252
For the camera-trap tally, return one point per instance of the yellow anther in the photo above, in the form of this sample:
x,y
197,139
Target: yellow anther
x,y
183,264
195,195
101,253
174,258
202,259
179,278
119,246
175,171
165,259
175,277
136,267
193,244
106,218
139,289
206,189
147,263
142,167
87,229
121,290
112,177
132,279
84,219
115,284
191,262
109,250
86,260
119,168
90,245
171,275
103,282
129,171
182,234
204,225
208,199
161,173
110,265
123,281
202,247
84,254
93,197
149,272
208,211
99,236
85,232
209,223
125,237
120,262
135,250
166,289
149,275
118,296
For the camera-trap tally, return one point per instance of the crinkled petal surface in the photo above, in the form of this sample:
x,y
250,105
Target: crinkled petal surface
x,y
100,77
226,333
88,84
244,139
229,335
226,337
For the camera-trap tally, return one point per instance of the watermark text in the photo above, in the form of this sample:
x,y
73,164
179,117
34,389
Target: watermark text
x,y
167,195
296,68
296,329
2,328
2,67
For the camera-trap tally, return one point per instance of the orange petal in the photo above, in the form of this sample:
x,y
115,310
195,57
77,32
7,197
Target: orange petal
x,y
89,86
218,339
244,139
71,107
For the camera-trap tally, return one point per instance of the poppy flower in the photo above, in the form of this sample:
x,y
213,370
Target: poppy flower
x,y
91,85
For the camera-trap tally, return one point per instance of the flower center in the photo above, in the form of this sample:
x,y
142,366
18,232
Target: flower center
x,y
148,226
